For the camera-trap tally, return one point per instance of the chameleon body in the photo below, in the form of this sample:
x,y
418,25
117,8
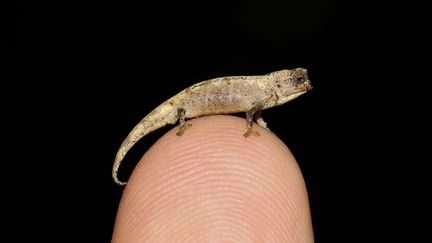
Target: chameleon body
x,y
225,95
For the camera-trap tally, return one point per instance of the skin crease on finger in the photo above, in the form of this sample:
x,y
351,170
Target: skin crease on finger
x,y
213,185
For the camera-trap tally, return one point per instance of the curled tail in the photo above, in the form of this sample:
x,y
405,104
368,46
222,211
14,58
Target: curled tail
x,y
159,117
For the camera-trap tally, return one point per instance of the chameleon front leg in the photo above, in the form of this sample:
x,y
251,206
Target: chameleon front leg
x,y
181,116
256,110
260,120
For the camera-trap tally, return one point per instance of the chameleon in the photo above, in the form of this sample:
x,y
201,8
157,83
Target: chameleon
x,y
224,95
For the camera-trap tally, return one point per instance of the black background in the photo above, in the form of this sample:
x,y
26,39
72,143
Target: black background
x,y
81,74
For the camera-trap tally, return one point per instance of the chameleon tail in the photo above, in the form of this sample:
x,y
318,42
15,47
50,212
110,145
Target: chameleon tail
x,y
159,117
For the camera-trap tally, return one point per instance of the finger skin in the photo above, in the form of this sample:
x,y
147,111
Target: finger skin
x,y
213,185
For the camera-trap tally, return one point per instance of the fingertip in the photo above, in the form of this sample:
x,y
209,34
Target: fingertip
x,y
212,183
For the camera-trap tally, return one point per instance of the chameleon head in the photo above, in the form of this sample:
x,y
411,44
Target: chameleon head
x,y
290,84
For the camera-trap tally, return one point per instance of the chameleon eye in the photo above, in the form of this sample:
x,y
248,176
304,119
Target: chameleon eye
x,y
300,76
299,79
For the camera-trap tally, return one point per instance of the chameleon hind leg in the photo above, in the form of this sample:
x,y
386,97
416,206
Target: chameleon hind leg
x,y
181,116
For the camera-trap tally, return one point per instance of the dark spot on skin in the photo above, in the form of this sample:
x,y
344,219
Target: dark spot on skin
x,y
227,81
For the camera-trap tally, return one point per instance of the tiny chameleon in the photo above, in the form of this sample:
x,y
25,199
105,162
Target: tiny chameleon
x,y
224,95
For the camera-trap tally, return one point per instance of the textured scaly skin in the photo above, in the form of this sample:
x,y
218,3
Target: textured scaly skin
x,y
224,95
